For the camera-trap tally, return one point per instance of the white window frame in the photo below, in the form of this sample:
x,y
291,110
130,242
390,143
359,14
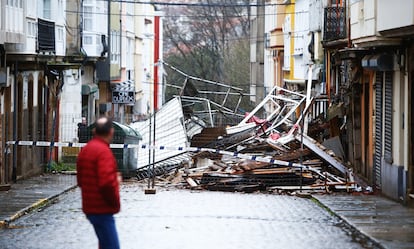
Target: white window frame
x,y
31,28
87,40
59,36
88,18
115,47
47,12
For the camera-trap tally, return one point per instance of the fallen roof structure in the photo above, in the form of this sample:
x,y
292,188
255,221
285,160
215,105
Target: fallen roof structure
x,y
266,148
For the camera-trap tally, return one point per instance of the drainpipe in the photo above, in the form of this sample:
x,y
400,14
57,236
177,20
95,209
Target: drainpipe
x,y
15,106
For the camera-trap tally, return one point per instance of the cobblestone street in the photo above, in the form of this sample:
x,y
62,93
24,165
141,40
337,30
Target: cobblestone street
x,y
184,219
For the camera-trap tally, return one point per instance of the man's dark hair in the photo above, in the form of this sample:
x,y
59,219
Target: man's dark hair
x,y
103,126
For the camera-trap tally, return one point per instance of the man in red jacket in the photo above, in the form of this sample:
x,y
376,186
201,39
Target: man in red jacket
x,y
99,181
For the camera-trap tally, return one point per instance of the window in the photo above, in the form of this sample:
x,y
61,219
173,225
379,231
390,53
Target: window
x,y
46,9
87,40
15,3
60,34
60,7
31,29
88,18
130,53
115,47
31,8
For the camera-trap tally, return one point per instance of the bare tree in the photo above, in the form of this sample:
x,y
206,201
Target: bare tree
x,y
205,35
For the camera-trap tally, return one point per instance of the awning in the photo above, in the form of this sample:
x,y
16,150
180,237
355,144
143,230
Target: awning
x,y
126,86
378,62
88,89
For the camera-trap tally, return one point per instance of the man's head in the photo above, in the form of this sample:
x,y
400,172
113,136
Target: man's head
x,y
84,120
104,129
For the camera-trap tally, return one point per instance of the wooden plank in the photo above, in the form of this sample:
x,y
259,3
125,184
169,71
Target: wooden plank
x,y
293,155
191,182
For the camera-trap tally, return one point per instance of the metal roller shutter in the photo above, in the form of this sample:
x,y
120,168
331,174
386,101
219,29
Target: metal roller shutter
x,y
378,128
388,117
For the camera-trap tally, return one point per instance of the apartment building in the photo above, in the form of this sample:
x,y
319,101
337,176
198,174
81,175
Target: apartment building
x,y
61,60
33,47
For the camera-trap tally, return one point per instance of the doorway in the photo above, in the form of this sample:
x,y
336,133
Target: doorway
x,y
367,125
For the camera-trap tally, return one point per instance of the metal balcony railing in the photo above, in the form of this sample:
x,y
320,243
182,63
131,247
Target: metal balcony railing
x,y
46,36
335,23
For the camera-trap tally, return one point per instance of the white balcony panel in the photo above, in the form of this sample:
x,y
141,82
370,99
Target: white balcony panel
x,y
60,38
92,44
30,46
14,20
395,14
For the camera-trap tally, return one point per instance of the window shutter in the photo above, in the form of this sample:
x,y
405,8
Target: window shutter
x,y
388,118
378,128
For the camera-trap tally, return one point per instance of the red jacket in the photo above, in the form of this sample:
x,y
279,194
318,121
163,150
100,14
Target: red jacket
x,y
98,179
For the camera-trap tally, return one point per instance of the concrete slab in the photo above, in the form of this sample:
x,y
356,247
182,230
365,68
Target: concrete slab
x,y
388,223
29,194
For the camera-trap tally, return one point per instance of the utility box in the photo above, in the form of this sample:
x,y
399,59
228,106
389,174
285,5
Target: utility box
x,y
127,159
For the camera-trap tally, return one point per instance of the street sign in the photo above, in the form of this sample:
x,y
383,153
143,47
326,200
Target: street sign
x,y
123,97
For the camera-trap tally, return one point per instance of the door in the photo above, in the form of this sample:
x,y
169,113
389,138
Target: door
x,y
367,139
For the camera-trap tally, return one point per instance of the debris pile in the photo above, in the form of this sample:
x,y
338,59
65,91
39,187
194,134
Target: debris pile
x,y
271,147
304,171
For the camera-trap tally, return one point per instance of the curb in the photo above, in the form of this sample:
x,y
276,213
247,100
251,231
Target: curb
x,y
348,223
40,203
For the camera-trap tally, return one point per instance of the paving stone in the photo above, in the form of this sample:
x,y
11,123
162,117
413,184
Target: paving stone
x,y
186,219
385,221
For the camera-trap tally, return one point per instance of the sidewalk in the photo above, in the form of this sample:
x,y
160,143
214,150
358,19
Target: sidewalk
x,y
384,221
26,195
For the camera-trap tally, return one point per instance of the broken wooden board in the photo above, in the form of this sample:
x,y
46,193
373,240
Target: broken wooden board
x,y
191,182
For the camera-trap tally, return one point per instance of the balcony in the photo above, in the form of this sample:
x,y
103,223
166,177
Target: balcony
x,y
276,38
46,36
335,24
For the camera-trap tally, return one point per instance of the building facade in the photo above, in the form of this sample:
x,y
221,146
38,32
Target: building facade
x,y
368,61
383,73
362,59
61,60
33,48
257,60
134,82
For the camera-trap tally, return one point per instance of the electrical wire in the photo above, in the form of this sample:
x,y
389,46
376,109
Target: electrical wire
x,y
184,15
223,5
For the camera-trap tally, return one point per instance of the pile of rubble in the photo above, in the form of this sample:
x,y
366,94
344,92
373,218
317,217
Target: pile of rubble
x,y
272,152
304,170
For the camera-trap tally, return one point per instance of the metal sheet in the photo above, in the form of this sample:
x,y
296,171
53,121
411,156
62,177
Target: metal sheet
x,y
320,151
170,132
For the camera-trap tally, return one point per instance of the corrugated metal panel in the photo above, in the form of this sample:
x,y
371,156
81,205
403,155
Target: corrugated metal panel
x,y
170,132
378,128
388,117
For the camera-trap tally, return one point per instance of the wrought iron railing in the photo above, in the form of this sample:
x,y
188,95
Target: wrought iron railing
x,y
335,23
46,36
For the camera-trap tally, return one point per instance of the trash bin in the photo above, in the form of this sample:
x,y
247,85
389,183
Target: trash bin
x,y
127,159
